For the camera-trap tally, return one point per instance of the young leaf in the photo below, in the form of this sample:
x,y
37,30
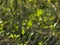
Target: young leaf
x,y
29,23
39,12
23,31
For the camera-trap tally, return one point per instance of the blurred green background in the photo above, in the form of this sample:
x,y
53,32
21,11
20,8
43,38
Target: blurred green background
x,y
29,22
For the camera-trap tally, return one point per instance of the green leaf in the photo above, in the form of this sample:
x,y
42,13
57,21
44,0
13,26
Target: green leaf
x,y
11,1
45,26
51,26
21,44
45,18
40,43
39,12
29,23
23,31
15,35
17,27
11,35
49,1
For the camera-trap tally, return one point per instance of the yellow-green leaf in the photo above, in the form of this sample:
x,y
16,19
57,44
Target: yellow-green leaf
x,y
21,44
39,12
49,1
23,31
29,23
11,35
40,43
51,26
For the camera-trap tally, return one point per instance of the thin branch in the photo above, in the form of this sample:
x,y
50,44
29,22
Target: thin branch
x,y
48,39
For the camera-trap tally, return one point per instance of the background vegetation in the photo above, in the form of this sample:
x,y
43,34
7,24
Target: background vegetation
x,y
29,22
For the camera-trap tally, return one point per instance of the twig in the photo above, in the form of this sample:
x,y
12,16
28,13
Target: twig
x,y
48,39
